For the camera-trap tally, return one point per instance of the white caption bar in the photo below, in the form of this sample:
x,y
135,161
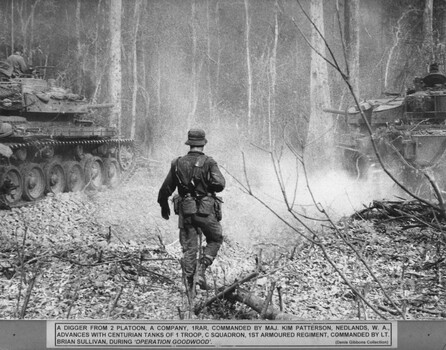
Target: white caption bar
x,y
107,334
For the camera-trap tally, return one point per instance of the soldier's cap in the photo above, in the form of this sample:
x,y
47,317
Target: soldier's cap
x,y
196,137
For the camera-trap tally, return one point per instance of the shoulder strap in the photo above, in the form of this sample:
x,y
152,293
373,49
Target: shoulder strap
x,y
197,170
199,163
185,187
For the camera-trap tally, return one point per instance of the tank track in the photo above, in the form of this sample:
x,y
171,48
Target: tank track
x,y
41,166
136,165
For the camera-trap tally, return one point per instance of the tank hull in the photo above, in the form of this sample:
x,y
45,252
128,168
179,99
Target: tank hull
x,y
408,133
49,143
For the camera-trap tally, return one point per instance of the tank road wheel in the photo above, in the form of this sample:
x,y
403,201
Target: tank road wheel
x,y
33,181
126,156
94,172
55,176
74,176
11,178
112,172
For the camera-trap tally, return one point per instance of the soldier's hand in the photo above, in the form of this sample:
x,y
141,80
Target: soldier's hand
x,y
165,212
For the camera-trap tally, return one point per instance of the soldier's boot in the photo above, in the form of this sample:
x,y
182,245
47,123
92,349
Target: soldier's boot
x,y
201,278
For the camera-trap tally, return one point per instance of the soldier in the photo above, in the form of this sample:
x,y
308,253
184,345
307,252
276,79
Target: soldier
x,y
197,178
435,77
17,62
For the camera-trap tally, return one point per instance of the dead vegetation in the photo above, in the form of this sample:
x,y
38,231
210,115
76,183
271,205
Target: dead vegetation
x,y
108,256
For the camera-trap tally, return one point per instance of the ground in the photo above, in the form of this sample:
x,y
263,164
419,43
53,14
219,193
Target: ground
x,y
109,255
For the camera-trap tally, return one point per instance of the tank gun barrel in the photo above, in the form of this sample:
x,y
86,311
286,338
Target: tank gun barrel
x,y
100,105
334,111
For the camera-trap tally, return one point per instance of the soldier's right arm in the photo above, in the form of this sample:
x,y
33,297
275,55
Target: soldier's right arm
x,y
22,64
168,187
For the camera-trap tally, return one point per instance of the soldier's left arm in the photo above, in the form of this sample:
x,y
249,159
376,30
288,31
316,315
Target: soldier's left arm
x,y
217,181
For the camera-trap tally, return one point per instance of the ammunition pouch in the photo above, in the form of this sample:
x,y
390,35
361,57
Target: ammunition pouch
x,y
189,205
205,206
218,203
176,204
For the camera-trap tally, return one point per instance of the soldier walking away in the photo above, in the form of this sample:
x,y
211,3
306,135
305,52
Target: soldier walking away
x,y
197,178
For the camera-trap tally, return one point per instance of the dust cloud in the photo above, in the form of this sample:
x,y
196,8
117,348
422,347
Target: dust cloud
x,y
245,165
336,192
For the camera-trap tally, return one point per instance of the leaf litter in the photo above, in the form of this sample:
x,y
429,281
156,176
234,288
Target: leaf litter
x,y
109,255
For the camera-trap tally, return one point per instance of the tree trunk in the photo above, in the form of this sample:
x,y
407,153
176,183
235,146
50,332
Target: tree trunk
x,y
77,24
25,21
217,73
248,64
441,25
97,75
273,69
115,74
320,139
235,293
208,16
351,16
191,118
136,17
428,40
257,304
12,27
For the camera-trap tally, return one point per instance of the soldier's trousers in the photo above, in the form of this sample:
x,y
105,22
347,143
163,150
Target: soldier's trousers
x,y
213,233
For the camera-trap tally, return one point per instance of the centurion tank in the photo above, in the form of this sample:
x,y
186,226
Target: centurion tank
x,y
409,132
49,143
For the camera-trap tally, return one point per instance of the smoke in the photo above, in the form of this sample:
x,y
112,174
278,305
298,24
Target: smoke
x,y
341,195
246,166
251,222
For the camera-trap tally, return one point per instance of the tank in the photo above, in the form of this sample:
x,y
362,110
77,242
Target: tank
x,y
409,132
50,144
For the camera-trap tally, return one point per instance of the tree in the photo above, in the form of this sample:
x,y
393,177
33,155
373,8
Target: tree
x,y
320,139
195,71
248,63
78,46
115,74
428,40
273,70
209,75
12,25
352,42
136,17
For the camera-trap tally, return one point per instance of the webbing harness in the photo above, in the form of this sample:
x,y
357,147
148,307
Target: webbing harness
x,y
190,187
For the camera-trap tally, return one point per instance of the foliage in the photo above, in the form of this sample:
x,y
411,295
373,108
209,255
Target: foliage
x,y
165,58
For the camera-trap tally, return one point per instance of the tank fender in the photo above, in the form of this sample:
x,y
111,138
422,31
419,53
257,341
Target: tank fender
x,y
5,151
6,129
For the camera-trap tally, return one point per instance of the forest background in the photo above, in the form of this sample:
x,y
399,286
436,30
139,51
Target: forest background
x,y
247,72
240,69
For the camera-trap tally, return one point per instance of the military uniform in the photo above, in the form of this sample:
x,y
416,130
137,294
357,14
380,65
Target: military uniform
x,y
197,178
18,64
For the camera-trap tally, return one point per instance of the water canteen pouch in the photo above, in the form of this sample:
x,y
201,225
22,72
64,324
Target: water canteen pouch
x,y
205,206
189,205
218,202
176,204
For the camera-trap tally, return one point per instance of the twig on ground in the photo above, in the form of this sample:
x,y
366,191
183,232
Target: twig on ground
x,y
225,291
268,300
114,301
